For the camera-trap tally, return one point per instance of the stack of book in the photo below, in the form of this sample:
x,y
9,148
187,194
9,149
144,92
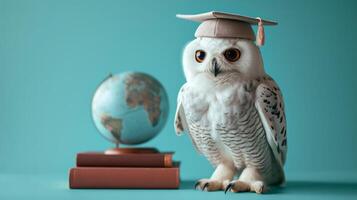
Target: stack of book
x,y
143,170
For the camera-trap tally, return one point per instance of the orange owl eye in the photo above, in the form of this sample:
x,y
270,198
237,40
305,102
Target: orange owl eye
x,y
200,55
232,54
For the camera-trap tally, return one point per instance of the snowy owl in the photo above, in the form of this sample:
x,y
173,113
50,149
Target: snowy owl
x,y
231,109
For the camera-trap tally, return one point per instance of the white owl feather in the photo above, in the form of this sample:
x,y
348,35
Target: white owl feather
x,y
270,105
233,112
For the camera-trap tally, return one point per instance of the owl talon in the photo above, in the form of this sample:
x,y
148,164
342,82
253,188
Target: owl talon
x,y
208,185
229,186
196,185
205,186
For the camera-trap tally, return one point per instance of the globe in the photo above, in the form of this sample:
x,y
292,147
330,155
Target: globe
x,y
130,108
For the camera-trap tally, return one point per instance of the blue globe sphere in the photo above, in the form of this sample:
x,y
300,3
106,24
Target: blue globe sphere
x,y
130,108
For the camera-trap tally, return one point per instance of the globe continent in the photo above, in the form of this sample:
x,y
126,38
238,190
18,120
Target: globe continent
x,y
130,108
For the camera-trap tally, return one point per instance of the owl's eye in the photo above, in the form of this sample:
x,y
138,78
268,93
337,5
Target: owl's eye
x,y
232,54
200,55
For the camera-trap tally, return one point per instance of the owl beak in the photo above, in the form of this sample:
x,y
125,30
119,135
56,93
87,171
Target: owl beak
x,y
215,69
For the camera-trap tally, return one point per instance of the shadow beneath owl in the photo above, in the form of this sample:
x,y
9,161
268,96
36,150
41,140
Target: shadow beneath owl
x,y
300,187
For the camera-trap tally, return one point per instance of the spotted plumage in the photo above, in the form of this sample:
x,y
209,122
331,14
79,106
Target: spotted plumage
x,y
234,115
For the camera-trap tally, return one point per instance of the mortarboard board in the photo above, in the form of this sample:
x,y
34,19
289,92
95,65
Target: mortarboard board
x,y
227,25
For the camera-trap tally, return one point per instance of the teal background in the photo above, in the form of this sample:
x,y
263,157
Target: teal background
x,y
53,55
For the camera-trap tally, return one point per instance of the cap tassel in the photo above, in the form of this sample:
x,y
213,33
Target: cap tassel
x,y
260,39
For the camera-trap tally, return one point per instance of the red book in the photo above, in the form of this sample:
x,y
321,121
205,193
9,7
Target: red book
x,y
96,159
124,177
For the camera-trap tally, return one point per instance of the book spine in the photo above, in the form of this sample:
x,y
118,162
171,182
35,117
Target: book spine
x,y
106,177
129,160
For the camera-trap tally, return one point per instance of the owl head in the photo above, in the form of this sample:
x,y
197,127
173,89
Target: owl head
x,y
218,56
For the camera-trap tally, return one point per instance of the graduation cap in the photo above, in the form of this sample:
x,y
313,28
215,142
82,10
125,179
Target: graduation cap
x,y
227,25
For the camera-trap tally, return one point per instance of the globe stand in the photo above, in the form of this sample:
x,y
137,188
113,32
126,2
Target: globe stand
x,y
119,151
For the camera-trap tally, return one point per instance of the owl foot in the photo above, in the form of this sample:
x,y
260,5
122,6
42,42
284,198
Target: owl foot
x,y
240,186
208,185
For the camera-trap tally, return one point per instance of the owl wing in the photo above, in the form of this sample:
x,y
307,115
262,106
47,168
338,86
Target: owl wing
x,y
180,122
270,105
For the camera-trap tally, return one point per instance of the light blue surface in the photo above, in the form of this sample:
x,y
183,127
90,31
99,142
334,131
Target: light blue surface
x,y
53,54
55,186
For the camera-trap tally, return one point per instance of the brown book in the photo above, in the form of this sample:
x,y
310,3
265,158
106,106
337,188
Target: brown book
x,y
96,159
124,177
